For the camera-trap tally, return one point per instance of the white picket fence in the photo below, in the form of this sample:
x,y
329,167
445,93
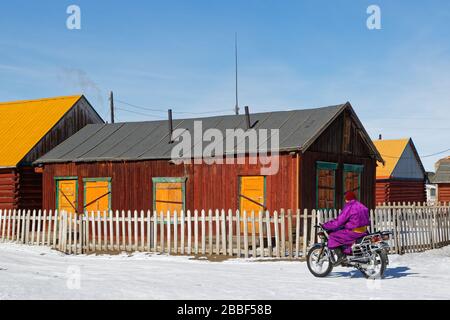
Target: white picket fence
x,y
283,234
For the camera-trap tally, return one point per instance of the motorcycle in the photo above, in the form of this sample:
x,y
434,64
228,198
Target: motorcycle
x,y
369,255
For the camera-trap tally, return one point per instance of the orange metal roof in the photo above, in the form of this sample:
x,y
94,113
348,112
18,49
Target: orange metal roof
x,y
391,151
24,123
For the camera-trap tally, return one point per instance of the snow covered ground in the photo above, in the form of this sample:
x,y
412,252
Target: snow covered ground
x,y
40,273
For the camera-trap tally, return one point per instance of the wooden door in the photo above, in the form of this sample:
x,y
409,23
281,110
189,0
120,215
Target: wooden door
x,y
252,197
97,196
66,196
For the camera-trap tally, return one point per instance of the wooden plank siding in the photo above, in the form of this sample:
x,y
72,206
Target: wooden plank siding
x,y
395,190
444,192
207,186
8,188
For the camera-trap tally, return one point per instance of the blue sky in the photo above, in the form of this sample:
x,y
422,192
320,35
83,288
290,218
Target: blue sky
x,y
293,54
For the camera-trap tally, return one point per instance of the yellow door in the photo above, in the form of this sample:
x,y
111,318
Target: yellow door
x,y
67,196
97,196
252,198
169,197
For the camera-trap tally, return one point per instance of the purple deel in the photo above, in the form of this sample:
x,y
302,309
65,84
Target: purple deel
x,y
354,215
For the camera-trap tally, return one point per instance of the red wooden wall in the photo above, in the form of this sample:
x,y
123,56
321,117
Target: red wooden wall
x,y
400,191
207,186
444,192
8,189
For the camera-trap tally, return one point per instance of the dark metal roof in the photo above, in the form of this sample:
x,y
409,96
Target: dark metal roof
x,y
442,172
150,140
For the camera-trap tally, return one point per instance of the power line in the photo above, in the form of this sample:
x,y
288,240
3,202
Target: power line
x,y
141,113
177,112
426,156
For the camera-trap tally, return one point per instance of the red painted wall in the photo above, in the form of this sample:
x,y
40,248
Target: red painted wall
x,y
400,191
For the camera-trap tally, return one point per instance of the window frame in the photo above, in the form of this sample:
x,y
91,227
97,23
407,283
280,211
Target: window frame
x,y
68,178
107,179
239,191
354,168
323,165
181,180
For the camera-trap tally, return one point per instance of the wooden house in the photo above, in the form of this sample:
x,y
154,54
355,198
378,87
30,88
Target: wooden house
x,y
442,180
402,178
28,130
323,152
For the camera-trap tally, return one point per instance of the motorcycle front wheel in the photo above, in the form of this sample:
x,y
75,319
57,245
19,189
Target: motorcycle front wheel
x,y
376,267
319,267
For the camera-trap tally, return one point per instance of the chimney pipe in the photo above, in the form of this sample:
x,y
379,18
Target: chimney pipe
x,y
170,126
380,137
247,117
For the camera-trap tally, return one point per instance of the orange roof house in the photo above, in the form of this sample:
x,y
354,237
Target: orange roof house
x,y
29,129
402,177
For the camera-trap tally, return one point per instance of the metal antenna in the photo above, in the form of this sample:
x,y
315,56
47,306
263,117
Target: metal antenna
x,y
236,108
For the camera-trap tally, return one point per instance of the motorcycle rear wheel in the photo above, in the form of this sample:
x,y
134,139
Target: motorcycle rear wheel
x,y
379,264
315,266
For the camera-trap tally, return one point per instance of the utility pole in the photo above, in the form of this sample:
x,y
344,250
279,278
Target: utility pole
x,y
111,104
236,108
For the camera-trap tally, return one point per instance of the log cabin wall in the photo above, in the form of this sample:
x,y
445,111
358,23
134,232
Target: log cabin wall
x,y
8,189
444,192
395,190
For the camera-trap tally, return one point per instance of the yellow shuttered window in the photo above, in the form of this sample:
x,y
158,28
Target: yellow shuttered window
x,y
97,195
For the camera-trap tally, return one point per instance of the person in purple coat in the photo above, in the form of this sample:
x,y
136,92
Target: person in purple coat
x,y
348,227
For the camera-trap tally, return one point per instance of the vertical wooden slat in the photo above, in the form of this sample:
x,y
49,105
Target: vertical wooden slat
x,y
69,232
161,227
238,233
290,234
253,234
94,228
175,232
218,233
155,231
230,232
99,230
305,233
245,224
38,230
13,229
297,234
224,232
8,230
283,234
75,235
19,227
277,236
149,235
111,230
261,234
210,232
142,234
189,232
55,226
1,223
44,228
33,226
135,229
269,234
312,239
196,232
203,233
169,235
129,246
182,231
